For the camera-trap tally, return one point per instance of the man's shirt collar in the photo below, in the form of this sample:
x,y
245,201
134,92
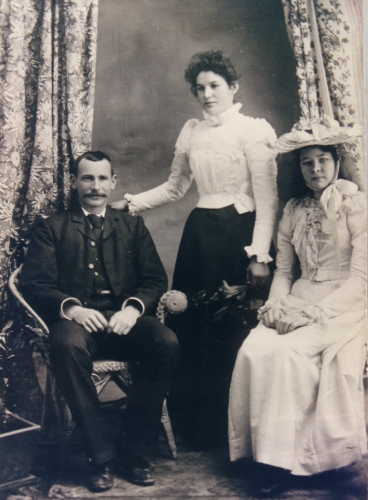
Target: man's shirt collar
x,y
102,214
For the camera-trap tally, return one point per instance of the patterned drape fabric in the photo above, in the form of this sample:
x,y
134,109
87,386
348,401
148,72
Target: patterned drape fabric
x,y
47,82
327,38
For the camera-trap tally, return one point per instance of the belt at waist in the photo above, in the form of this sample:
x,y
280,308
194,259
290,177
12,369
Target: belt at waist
x,y
242,202
328,275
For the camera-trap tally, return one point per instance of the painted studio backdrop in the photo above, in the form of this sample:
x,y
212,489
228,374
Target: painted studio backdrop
x,y
142,100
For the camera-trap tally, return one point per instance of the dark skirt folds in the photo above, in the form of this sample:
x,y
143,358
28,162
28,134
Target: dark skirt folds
x,y
211,251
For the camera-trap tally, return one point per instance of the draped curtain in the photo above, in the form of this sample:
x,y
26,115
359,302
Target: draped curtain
x,y
327,39
47,82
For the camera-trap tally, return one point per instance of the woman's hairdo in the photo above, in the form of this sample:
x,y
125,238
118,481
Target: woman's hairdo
x,y
326,149
294,185
213,60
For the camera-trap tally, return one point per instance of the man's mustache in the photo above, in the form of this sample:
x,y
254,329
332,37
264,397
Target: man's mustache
x,y
91,195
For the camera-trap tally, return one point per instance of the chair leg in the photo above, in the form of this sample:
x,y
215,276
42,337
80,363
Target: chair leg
x,y
122,383
55,406
46,459
168,433
126,387
100,383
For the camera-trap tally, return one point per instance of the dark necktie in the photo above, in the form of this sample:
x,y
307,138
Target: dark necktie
x,y
95,221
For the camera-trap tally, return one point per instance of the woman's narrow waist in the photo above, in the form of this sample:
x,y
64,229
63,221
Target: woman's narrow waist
x,y
221,200
322,275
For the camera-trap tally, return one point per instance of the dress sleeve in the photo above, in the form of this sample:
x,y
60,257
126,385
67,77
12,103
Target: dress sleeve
x,y
353,289
179,180
261,162
286,259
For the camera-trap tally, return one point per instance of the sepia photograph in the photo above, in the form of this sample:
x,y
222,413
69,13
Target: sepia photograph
x,y
183,249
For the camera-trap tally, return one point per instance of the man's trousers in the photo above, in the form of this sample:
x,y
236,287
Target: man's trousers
x,y
153,350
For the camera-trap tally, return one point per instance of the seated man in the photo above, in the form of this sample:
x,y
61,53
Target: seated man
x,y
94,275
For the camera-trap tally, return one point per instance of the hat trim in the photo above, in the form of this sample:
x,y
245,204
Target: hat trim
x,y
285,145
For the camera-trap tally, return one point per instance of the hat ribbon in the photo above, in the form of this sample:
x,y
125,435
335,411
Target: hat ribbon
x,y
331,200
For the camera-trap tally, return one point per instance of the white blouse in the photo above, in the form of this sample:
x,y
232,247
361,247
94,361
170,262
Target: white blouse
x,y
232,159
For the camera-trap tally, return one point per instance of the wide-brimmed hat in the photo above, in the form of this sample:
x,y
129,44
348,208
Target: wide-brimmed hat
x,y
323,131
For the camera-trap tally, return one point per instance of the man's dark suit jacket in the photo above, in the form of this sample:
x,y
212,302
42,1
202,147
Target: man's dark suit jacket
x,y
56,265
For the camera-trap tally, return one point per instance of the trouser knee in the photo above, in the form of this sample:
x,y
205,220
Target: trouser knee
x,y
158,350
68,342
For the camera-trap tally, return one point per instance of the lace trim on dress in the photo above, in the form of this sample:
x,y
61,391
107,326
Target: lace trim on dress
x,y
306,224
314,314
263,258
221,118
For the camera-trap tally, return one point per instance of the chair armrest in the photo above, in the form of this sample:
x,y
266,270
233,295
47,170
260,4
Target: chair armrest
x,y
174,302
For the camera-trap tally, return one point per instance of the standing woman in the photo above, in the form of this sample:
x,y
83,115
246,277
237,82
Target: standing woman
x,y
296,399
226,237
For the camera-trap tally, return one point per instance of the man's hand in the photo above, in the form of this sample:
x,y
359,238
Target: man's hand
x,y
91,320
119,205
258,273
123,321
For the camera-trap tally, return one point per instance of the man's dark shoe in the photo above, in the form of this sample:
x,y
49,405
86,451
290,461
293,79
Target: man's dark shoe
x,y
136,470
100,478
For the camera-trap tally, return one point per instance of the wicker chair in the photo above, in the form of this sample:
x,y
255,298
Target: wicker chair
x,y
103,372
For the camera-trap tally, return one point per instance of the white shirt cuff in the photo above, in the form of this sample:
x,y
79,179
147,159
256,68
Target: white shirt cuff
x,y
71,299
126,303
262,257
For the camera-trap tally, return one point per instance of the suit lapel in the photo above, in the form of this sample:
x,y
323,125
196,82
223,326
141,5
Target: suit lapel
x,y
84,226
109,223
114,241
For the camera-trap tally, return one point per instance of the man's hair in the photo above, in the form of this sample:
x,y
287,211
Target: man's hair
x,y
91,156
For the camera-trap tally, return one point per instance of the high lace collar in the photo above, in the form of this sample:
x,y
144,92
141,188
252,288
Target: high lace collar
x,y
221,118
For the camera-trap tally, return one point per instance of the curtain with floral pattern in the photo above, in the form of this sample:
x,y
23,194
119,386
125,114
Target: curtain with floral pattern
x,y
47,81
327,39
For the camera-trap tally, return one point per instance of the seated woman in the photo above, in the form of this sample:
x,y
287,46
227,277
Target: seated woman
x,y
296,400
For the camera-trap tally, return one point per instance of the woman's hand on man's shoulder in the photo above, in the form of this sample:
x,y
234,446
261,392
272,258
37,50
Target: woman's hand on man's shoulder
x,y
120,205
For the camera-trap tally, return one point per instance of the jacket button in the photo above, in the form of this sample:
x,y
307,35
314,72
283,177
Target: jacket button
x,y
96,273
91,266
93,243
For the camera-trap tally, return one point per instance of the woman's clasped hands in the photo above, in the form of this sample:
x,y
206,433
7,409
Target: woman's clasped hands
x,y
285,319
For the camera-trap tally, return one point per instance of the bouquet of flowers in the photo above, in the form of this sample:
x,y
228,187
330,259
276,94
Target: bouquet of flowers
x,y
236,301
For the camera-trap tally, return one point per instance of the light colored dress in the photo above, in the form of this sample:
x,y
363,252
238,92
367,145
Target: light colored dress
x,y
296,400
232,159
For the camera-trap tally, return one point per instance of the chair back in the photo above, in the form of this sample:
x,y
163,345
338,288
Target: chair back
x,y
13,287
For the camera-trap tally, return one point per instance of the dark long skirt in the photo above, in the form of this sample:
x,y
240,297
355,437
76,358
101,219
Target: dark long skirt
x,y
211,251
